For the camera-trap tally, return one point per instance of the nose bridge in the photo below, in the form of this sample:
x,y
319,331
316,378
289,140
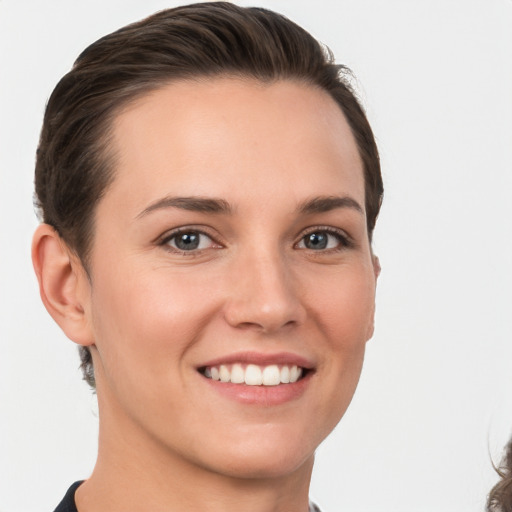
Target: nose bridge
x,y
264,293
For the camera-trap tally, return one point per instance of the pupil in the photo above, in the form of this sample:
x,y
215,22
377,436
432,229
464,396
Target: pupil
x,y
316,241
187,241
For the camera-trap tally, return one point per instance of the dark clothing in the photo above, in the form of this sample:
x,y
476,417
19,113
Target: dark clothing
x,y
68,502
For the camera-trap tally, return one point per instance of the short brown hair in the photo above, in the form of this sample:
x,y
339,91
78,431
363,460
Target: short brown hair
x,y
74,166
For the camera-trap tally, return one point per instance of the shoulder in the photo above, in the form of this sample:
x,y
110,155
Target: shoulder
x,y
68,502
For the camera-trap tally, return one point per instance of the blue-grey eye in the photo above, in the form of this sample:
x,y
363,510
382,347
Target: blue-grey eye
x,y
321,240
316,241
189,241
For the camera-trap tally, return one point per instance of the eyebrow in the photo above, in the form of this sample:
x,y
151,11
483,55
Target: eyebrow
x,y
318,204
323,204
194,204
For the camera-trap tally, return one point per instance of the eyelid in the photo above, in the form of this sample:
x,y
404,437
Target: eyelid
x,y
346,241
164,239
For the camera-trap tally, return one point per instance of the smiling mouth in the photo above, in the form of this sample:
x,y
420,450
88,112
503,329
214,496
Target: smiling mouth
x,y
254,375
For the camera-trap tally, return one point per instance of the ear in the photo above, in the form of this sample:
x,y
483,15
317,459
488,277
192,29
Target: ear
x,y
376,272
376,266
63,284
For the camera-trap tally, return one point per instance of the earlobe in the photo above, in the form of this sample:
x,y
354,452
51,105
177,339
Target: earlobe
x,y
376,271
376,266
63,284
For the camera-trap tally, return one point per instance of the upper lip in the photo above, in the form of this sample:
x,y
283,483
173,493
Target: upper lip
x,y
261,359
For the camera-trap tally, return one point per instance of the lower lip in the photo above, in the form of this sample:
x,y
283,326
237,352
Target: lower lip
x,y
261,395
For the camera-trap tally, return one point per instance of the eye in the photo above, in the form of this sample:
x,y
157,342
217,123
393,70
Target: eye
x,y
323,239
188,240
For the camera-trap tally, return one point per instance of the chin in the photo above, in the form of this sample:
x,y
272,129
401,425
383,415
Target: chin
x,y
265,466
264,454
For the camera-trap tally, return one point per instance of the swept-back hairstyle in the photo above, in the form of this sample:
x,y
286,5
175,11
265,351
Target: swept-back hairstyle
x,y
75,160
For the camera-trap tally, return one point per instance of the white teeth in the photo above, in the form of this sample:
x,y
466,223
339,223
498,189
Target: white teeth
x,y
271,376
254,375
237,374
225,375
295,373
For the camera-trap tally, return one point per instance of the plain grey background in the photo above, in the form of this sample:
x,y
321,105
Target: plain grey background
x,y
434,403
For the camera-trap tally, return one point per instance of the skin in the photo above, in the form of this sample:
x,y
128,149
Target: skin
x,y
153,314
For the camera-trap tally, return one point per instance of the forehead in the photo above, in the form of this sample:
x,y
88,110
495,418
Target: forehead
x,y
201,135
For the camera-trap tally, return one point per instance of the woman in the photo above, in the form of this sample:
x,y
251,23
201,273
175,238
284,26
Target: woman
x,y
208,186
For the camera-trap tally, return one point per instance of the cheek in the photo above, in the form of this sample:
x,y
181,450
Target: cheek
x,y
343,311
344,307
148,320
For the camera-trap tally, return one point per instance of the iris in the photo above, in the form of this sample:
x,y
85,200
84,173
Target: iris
x,y
316,241
187,241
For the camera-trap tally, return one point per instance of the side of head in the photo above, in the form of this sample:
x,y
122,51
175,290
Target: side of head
x,y
75,160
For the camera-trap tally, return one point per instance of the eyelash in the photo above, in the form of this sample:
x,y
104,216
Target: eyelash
x,y
345,242
164,241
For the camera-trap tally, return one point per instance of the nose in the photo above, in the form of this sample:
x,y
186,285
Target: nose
x,y
263,295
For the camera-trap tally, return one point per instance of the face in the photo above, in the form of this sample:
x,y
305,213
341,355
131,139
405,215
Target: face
x,y
232,281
